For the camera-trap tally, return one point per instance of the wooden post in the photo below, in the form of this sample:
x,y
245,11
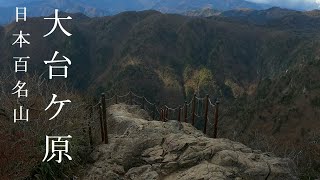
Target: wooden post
x,y
104,117
206,115
216,118
194,109
101,122
179,114
185,111
89,127
116,99
130,98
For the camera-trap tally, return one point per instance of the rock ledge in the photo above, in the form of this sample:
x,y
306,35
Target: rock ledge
x,y
151,150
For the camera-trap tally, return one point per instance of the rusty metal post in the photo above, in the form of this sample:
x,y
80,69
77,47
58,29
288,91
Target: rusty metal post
x,y
130,98
206,115
143,102
104,117
185,111
179,114
166,114
216,118
101,122
89,127
194,109
116,99
154,112
162,115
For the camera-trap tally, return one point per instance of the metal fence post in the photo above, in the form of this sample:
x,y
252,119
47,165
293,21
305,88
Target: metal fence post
x,y
166,114
101,121
130,96
216,119
206,115
161,115
179,114
89,127
154,112
185,111
104,117
116,96
193,109
143,102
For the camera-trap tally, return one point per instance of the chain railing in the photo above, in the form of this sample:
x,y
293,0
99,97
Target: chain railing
x,y
200,112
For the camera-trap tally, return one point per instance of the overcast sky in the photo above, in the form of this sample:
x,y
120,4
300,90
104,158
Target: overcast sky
x,y
299,4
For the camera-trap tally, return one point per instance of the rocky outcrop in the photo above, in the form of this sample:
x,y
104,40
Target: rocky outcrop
x,y
150,150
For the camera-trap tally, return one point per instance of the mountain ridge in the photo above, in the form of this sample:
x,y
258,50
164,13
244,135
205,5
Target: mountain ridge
x,y
267,76
108,7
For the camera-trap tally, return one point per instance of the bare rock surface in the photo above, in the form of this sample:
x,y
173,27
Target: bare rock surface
x,y
151,150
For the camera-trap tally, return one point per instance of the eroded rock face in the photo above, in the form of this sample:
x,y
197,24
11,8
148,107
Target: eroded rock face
x,y
150,150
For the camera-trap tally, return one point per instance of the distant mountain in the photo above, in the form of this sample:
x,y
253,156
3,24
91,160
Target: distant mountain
x,y
260,17
275,16
47,7
179,6
108,7
117,6
38,8
206,12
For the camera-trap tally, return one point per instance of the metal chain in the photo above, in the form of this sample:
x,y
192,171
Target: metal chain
x,y
124,95
213,105
111,98
172,109
140,97
148,101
